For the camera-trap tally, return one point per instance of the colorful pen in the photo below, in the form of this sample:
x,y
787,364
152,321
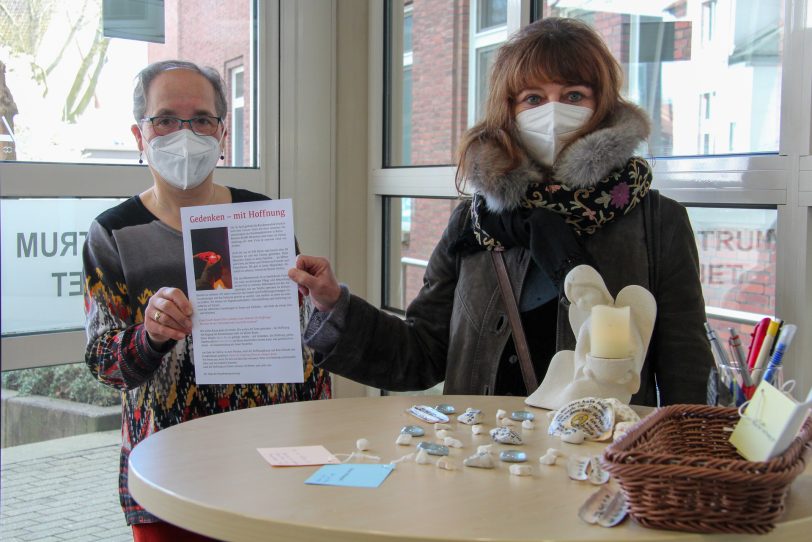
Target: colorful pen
x,y
787,333
766,347
756,338
737,353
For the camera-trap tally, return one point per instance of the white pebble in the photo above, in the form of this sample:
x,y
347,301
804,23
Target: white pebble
x,y
576,437
470,417
422,457
443,433
404,439
507,422
555,452
505,435
439,426
446,464
548,459
528,424
477,429
484,449
520,470
623,412
480,460
597,475
362,444
451,442
500,414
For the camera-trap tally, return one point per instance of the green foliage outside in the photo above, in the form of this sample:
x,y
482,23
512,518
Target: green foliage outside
x,y
73,382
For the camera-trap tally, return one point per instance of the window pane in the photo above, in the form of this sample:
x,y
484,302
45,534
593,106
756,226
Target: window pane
x,y
697,72
407,30
42,262
427,97
239,75
61,428
737,264
710,78
737,253
407,116
238,149
491,13
414,227
71,87
485,58
238,122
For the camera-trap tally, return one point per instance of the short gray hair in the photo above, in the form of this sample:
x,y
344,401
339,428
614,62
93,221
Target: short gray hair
x,y
145,77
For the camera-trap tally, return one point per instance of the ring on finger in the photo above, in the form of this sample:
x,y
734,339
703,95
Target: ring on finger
x,y
157,316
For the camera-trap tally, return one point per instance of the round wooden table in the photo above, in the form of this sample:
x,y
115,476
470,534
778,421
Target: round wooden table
x,y
207,476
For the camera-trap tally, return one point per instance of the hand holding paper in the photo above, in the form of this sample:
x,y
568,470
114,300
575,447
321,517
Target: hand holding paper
x,y
168,316
315,278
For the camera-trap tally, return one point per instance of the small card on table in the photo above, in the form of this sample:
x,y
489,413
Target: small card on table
x,y
298,456
351,475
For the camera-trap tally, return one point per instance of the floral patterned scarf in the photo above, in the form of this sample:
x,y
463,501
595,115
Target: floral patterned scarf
x,y
585,210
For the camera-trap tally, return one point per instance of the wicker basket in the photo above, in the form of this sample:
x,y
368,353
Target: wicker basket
x,y
678,471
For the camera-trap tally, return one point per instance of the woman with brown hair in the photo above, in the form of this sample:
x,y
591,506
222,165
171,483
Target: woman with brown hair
x,y
556,183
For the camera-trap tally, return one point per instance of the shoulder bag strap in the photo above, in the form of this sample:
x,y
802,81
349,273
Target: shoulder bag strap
x,y
651,209
519,340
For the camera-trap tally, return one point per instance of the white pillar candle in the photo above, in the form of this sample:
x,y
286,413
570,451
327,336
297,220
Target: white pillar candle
x,y
610,335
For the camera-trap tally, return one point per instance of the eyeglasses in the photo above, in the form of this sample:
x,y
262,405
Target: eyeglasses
x,y
204,125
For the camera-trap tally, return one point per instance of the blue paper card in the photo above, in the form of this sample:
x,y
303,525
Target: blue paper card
x,y
350,475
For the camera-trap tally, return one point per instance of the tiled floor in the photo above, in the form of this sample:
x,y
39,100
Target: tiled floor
x,y
64,489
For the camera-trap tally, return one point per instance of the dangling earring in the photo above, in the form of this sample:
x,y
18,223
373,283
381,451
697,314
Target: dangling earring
x,y
222,156
140,157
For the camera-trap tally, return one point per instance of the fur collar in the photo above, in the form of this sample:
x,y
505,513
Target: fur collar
x,y
584,163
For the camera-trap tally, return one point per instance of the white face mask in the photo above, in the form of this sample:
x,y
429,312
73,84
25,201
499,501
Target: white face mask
x,y
183,158
544,129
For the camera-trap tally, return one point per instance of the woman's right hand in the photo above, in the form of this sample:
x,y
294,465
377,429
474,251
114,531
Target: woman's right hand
x,y
315,278
168,316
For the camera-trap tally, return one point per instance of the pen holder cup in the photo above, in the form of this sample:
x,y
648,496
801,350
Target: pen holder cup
x,y
727,386
679,471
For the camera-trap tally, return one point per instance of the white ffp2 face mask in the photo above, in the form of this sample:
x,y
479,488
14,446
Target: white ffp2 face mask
x,y
544,130
183,158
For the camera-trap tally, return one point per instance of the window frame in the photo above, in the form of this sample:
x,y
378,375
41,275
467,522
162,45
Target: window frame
x,y
782,180
237,102
63,180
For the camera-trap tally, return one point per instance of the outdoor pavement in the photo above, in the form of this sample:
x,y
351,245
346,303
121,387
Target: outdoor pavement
x,y
62,489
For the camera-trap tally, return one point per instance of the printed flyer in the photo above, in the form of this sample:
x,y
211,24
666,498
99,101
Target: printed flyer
x,y
245,327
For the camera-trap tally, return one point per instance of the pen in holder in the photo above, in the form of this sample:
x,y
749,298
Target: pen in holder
x,y
773,370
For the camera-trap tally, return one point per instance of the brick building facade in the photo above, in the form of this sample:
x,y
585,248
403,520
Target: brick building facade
x,y
215,33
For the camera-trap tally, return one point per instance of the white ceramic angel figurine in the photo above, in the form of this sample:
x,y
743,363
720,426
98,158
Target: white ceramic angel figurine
x,y
576,374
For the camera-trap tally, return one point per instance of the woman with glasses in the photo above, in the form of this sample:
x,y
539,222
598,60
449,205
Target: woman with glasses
x,y
138,312
556,183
